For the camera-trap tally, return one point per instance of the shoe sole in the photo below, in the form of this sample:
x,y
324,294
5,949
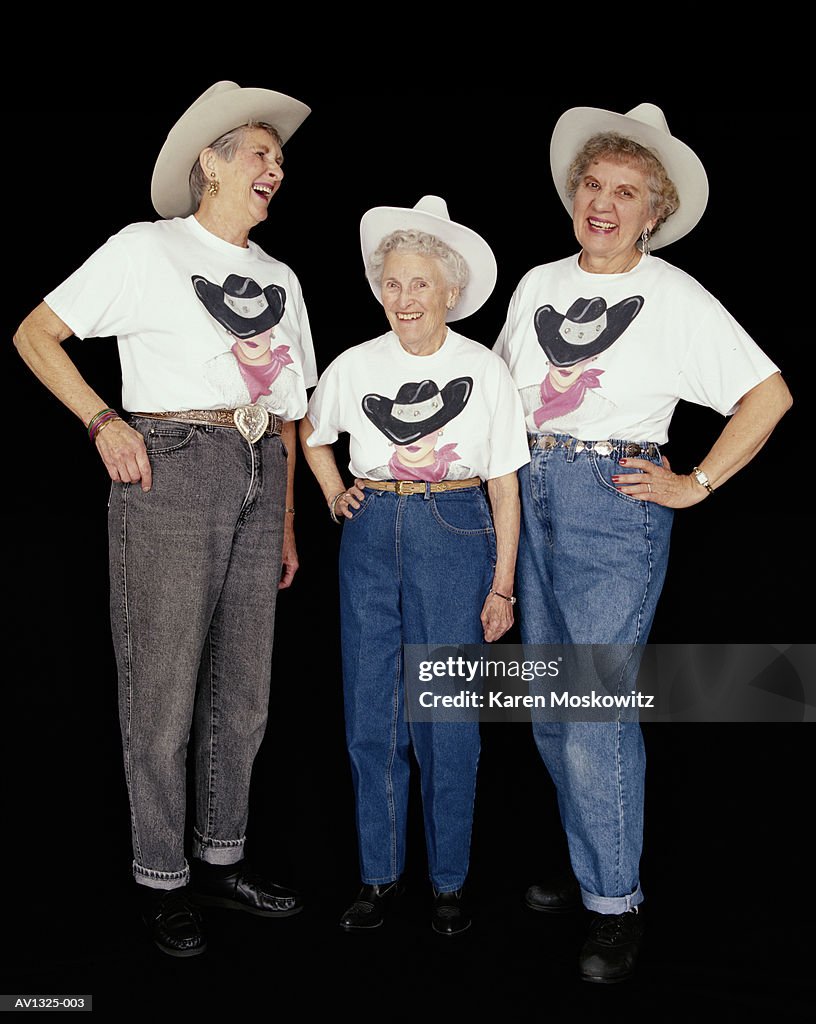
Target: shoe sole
x,y
553,910
185,953
593,980
361,927
227,904
451,935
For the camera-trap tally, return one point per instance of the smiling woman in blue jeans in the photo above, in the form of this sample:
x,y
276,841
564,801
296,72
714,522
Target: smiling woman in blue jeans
x,y
422,560
200,515
602,345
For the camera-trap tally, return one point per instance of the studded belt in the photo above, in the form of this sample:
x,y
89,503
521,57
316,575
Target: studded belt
x,y
253,421
620,449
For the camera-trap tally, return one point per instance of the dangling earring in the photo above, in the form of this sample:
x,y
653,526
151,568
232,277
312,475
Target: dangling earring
x,y
644,242
212,188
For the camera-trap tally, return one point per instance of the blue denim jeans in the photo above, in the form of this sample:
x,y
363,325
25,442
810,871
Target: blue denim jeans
x,y
194,570
413,569
591,566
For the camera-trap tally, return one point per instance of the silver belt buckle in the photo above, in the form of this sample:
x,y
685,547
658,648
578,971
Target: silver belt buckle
x,y
603,448
252,421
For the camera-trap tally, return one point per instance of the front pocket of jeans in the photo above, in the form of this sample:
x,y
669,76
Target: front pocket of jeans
x,y
463,514
603,470
356,513
165,440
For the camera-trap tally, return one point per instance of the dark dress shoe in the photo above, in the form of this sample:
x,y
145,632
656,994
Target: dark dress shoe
x,y
610,952
370,907
236,887
562,897
450,915
173,921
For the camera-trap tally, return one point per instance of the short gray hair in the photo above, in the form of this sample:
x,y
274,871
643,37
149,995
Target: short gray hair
x,y
420,243
226,147
663,197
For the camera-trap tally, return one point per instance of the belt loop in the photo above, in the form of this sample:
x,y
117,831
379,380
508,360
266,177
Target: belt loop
x,y
569,444
427,490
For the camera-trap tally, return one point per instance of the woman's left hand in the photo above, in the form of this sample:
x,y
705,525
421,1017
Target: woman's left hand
x,y
497,617
649,482
289,559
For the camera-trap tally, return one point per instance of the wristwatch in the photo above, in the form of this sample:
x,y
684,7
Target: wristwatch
x,y
702,479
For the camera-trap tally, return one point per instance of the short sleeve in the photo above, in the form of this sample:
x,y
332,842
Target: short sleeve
x,y
722,362
102,297
309,363
508,435
324,407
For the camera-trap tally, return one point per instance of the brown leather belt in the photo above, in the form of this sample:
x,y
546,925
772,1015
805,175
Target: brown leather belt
x,y
253,421
418,487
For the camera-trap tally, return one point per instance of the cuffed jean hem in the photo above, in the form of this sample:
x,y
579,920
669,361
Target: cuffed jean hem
x,y
439,889
217,851
378,881
612,904
161,879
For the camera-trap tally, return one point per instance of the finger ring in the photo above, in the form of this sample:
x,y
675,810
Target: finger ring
x,y
650,487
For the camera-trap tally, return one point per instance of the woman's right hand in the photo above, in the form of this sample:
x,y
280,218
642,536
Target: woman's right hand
x,y
123,451
348,500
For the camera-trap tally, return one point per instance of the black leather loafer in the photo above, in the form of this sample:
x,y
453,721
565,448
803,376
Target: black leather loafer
x,y
371,906
561,897
173,921
610,953
450,915
236,887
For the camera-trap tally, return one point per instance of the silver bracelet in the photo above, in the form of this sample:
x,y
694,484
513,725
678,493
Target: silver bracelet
x,y
333,506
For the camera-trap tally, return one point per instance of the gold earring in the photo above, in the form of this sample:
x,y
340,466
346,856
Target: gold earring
x,y
212,188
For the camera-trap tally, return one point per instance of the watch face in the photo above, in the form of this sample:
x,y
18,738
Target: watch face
x,y
702,479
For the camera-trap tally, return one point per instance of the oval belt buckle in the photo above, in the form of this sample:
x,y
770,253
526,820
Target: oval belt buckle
x,y
252,421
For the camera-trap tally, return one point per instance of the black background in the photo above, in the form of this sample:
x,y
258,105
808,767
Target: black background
x,y
725,866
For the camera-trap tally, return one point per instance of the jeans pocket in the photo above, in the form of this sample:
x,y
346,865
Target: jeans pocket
x,y
463,512
164,438
603,470
356,513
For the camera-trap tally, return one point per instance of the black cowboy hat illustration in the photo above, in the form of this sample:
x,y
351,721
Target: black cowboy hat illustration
x,y
241,305
588,328
418,409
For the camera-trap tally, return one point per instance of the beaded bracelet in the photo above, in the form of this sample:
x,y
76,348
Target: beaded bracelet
x,y
102,417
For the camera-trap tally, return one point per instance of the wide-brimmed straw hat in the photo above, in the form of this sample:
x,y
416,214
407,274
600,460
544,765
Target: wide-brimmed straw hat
x,y
221,108
431,215
647,125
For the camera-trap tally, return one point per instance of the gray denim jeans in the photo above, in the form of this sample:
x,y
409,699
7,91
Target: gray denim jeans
x,y
194,571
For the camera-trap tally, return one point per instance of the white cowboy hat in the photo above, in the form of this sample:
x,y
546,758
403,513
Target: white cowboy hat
x,y
431,215
221,108
647,125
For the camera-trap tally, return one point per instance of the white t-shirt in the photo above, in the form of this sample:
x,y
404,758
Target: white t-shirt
x,y
450,415
603,356
190,312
